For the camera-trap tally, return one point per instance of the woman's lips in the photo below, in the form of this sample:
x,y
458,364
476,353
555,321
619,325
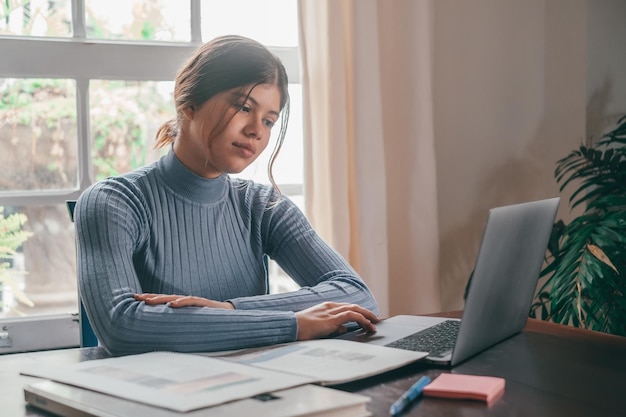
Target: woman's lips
x,y
245,149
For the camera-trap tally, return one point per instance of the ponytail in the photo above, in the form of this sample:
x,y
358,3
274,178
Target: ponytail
x,y
166,134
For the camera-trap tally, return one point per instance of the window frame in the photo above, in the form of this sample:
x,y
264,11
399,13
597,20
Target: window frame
x,y
82,60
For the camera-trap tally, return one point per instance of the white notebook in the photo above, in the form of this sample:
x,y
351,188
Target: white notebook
x,y
302,401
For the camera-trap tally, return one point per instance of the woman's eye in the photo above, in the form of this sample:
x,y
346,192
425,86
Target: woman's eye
x,y
268,123
244,108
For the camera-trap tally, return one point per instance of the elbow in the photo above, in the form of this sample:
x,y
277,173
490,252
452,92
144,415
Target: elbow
x,y
119,330
118,340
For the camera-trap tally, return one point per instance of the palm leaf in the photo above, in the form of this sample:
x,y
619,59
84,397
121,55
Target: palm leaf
x,y
586,267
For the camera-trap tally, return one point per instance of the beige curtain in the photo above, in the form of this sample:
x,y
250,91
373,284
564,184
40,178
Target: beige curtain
x,y
370,175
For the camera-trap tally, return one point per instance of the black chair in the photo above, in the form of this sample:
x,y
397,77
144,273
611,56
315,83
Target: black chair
x,y
87,336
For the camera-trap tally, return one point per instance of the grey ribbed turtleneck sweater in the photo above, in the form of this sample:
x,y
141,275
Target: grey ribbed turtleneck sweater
x,y
162,229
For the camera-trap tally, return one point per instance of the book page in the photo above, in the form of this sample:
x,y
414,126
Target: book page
x,y
328,361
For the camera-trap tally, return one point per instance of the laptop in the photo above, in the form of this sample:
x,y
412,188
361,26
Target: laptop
x,y
499,295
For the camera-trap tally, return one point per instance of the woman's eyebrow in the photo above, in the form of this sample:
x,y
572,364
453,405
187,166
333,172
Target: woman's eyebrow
x,y
248,97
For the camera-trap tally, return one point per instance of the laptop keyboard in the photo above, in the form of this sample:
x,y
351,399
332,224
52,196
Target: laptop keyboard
x,y
438,340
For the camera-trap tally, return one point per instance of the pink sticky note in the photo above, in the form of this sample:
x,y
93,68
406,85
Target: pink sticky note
x,y
461,386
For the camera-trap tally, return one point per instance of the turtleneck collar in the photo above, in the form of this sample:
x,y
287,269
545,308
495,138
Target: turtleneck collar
x,y
189,185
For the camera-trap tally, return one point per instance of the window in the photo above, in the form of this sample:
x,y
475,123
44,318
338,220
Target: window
x,y
36,18
84,84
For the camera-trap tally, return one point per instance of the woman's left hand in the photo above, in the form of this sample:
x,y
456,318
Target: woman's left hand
x,y
329,317
177,301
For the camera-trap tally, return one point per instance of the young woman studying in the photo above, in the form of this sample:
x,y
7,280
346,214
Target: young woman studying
x,y
171,256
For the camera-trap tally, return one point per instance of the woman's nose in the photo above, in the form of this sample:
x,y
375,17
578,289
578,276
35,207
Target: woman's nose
x,y
253,128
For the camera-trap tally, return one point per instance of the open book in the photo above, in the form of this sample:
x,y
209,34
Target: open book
x,y
185,382
326,361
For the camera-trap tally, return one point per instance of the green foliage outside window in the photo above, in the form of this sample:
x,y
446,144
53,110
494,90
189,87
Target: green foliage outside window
x,y
38,131
121,125
11,238
124,117
25,17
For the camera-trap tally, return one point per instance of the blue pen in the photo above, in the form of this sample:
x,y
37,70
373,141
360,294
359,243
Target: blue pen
x,y
411,394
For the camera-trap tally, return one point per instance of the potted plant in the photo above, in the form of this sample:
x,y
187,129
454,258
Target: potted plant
x,y
11,237
586,265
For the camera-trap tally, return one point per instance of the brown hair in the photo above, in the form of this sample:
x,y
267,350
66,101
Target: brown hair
x,y
222,64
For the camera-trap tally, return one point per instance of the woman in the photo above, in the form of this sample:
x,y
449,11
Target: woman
x,y
171,256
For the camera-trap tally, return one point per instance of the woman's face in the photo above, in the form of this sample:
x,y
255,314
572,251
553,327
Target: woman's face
x,y
229,131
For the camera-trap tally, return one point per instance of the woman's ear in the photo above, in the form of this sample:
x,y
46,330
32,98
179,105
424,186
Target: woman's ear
x,y
188,113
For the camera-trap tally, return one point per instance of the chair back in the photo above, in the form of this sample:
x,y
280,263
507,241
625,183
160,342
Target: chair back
x,y
87,336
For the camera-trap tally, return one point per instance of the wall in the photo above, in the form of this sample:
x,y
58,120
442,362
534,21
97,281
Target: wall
x,y
606,64
510,92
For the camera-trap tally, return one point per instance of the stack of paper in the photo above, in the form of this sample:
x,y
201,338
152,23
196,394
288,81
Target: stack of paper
x,y
303,401
176,383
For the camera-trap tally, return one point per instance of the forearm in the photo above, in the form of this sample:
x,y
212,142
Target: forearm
x,y
322,273
341,289
132,326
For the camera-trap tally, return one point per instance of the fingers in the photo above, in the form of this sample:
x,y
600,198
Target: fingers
x,y
365,323
362,311
330,318
191,301
173,299
154,299
354,311
177,301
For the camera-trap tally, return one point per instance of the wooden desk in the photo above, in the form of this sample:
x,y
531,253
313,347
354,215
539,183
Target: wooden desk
x,y
550,370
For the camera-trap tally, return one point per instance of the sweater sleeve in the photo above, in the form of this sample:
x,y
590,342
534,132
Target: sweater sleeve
x,y
111,226
322,273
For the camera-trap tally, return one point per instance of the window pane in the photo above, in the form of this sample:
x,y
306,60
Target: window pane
x,y
38,134
37,261
271,22
36,18
288,168
138,20
125,116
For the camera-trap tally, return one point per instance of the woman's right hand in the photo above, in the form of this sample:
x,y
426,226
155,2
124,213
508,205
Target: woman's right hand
x,y
177,301
330,318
